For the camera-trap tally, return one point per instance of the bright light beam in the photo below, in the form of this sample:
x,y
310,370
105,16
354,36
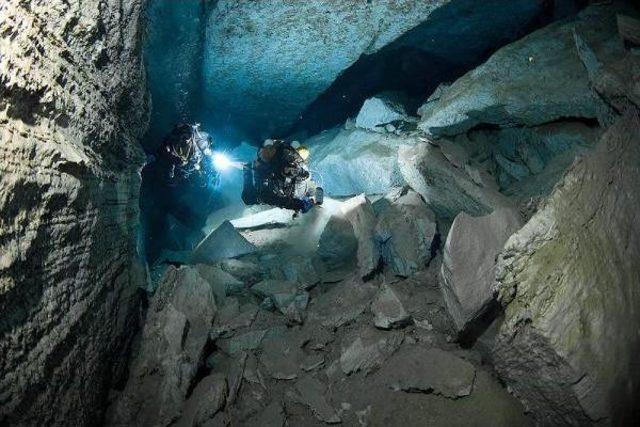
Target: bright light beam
x,y
221,162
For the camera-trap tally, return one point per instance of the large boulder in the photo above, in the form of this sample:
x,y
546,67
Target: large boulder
x,y
468,267
568,347
536,80
448,185
354,161
170,352
405,231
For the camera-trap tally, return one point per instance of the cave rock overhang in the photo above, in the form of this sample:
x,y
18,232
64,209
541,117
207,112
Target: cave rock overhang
x,y
269,68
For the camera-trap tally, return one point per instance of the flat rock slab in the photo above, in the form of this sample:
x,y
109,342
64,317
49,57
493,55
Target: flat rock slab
x,y
223,242
272,218
341,304
244,342
429,370
270,288
367,349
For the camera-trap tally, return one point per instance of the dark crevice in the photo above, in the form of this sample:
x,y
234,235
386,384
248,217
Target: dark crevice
x,y
590,122
203,368
468,337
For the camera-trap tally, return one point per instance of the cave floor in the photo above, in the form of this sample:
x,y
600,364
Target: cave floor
x,y
376,352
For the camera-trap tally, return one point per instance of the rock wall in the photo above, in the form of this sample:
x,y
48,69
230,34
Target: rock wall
x,y
73,104
569,344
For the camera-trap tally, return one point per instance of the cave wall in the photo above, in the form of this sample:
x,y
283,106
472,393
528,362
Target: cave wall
x,y
73,106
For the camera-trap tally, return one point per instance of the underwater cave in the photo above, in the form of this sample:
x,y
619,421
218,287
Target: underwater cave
x,y
356,212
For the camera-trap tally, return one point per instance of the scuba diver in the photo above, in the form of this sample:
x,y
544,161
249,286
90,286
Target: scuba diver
x,y
177,190
186,154
280,177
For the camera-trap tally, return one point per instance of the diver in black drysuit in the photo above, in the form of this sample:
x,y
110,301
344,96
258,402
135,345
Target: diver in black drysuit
x,y
185,154
273,177
177,182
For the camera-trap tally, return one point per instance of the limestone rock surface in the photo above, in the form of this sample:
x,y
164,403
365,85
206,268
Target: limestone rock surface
x,y
359,212
73,105
447,189
405,230
468,269
172,345
352,161
538,79
569,282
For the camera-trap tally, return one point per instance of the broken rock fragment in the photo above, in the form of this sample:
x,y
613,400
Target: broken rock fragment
x,y
208,398
468,268
222,283
367,350
447,189
388,311
405,231
245,270
351,228
176,331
